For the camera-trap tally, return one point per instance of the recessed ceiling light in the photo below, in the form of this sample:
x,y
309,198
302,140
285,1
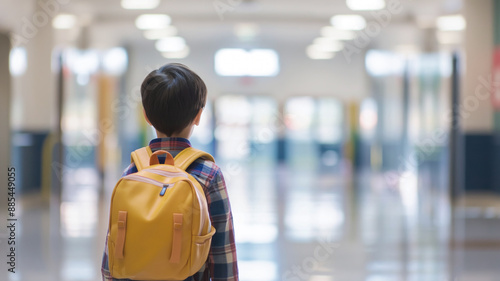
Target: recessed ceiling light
x,y
155,34
327,44
313,52
64,21
240,62
448,23
365,5
139,4
246,31
152,21
348,22
176,55
170,44
337,34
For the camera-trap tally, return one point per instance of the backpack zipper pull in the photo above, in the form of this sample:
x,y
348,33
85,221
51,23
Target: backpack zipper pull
x,y
164,189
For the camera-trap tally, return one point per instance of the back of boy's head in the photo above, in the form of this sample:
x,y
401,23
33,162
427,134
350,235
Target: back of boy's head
x,y
172,96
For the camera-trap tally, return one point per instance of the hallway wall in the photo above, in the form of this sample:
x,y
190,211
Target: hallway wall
x,y
477,113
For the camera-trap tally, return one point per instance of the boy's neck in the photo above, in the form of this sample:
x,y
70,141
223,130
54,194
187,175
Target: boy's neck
x,y
186,133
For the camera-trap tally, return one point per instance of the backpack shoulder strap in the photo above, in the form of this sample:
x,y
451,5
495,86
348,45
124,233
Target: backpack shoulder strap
x,y
187,156
140,157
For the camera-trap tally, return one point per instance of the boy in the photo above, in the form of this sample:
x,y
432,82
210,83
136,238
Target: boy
x,y
173,98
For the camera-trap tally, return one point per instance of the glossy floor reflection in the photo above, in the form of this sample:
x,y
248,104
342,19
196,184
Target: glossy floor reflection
x,y
290,225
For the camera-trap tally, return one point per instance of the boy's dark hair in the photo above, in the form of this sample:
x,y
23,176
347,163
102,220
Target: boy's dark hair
x,y
172,96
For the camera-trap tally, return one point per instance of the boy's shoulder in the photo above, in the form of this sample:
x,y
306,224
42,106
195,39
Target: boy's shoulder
x,y
205,171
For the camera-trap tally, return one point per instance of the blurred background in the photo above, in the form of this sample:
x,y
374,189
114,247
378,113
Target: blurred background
x,y
359,139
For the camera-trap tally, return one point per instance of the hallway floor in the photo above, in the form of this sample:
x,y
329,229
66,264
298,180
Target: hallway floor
x,y
289,226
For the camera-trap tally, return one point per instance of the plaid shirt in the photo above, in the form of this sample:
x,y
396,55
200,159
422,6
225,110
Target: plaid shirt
x,y
221,263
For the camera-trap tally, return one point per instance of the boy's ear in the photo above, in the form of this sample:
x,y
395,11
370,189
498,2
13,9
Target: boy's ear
x,y
146,117
198,117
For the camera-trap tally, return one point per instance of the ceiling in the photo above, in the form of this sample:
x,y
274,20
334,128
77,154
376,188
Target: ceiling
x,y
199,20
104,23
274,10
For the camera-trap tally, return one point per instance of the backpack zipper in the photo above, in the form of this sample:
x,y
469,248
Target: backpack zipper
x,y
144,179
163,189
150,181
202,219
166,173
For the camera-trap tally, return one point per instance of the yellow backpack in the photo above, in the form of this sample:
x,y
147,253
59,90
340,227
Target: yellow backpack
x,y
159,225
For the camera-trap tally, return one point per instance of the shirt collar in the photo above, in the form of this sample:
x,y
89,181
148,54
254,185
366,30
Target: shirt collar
x,y
169,144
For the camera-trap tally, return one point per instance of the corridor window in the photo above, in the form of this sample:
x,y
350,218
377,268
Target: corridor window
x,y
240,62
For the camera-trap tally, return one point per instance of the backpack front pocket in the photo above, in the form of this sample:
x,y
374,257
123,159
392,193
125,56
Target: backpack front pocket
x,y
200,248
